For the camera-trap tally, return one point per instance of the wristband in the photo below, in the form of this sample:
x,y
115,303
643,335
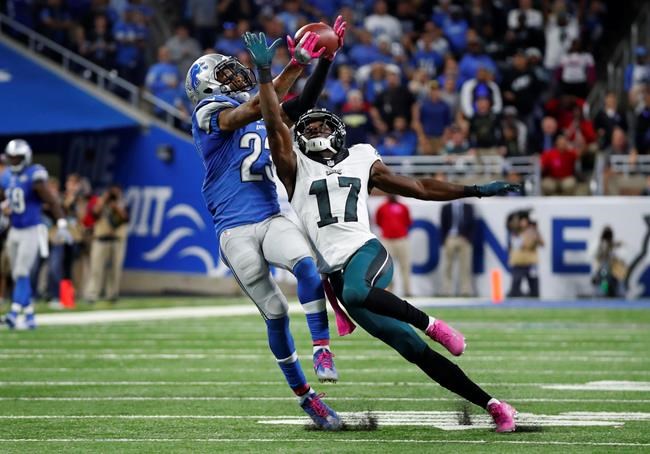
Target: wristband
x,y
471,191
265,76
61,224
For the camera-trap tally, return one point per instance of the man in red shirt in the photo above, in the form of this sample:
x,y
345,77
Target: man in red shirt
x,y
558,169
394,220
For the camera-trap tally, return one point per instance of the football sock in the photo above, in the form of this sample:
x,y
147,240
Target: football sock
x,y
312,299
450,376
284,350
432,320
385,303
319,347
492,401
22,291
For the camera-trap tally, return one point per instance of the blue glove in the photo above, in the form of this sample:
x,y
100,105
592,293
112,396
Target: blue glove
x,y
261,54
496,188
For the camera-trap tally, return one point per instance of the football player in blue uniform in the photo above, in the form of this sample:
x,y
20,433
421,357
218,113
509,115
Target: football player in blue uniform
x,y
240,193
24,186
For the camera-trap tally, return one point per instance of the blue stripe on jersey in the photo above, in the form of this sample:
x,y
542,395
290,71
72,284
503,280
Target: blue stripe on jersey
x,y
24,201
238,187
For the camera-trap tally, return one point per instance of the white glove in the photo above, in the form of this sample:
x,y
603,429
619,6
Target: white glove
x,y
63,235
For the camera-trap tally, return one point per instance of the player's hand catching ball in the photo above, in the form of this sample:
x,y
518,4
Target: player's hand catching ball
x,y
304,52
496,188
261,53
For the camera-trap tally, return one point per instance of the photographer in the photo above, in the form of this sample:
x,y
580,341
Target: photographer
x,y
108,244
523,259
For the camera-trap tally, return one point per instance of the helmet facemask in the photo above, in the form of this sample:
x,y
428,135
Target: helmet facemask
x,y
215,74
321,136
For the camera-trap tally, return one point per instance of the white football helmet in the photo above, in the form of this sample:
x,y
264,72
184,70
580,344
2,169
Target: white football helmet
x,y
18,148
215,74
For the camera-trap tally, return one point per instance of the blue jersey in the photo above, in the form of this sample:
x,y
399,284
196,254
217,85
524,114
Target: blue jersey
x,y
24,201
238,187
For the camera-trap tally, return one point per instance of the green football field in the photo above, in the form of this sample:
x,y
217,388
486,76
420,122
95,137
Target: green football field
x,y
580,379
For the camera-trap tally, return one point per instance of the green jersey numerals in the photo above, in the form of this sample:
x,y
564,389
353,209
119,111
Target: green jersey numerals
x,y
319,189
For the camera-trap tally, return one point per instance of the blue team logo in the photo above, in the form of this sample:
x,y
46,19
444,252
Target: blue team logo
x,y
195,71
638,277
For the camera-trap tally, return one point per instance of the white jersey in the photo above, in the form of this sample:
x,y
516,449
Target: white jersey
x,y
332,204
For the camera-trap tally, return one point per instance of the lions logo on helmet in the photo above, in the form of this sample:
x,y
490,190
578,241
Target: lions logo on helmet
x,y
216,74
19,155
320,135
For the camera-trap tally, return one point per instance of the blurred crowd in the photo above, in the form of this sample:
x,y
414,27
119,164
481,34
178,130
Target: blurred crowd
x,y
89,264
432,77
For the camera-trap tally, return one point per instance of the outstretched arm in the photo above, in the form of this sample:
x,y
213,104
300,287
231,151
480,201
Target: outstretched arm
x,y
432,189
277,132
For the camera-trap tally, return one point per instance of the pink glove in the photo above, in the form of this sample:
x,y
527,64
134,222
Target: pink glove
x,y
339,29
304,52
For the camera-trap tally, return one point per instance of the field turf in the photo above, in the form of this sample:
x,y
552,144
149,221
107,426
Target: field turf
x,y
579,377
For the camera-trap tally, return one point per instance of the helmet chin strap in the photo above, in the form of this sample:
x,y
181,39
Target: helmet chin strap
x,y
319,144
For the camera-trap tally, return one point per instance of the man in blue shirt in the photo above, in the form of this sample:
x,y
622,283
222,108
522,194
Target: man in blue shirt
x,y
24,187
163,79
240,193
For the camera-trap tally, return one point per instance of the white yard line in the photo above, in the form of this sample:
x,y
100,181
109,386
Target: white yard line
x,y
292,399
311,441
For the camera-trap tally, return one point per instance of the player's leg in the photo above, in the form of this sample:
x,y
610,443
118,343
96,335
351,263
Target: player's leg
x,y
12,252
370,265
285,246
242,252
24,254
403,339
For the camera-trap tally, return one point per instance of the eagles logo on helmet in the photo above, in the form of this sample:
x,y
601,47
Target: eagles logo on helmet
x,y
215,74
320,135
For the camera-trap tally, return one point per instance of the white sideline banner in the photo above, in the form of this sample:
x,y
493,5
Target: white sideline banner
x,y
570,226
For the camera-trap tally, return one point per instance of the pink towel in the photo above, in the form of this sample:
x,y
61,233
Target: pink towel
x,y
344,323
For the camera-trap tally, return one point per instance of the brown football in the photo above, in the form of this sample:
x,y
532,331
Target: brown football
x,y
327,37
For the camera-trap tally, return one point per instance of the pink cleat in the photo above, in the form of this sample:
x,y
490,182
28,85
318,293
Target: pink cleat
x,y
447,336
503,416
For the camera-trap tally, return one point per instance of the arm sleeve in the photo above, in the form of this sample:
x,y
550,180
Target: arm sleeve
x,y
297,106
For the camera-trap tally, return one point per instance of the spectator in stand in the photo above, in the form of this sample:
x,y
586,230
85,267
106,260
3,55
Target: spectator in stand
x,y
163,79
401,141
511,121
511,146
433,39
450,95
545,139
394,220
183,49
610,270
395,101
607,119
456,142
203,15
418,84
642,138
563,109
637,76
131,36
475,59
619,145
521,88
480,87
366,51
561,31
430,50
524,30
338,89
457,226
559,169
536,65
382,23
75,200
229,42
291,16
108,246
455,27
431,116
99,44
580,132
485,134
534,18
577,71
356,117
55,22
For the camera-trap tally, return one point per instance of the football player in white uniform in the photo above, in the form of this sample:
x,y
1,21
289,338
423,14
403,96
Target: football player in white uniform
x,y
328,186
